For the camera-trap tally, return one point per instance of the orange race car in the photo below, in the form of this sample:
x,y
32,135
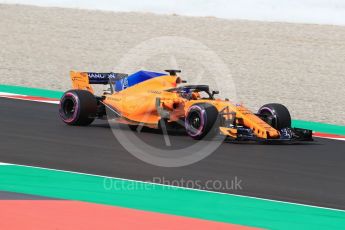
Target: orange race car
x,y
159,100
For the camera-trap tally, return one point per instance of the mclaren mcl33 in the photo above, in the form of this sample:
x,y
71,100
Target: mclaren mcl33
x,y
154,100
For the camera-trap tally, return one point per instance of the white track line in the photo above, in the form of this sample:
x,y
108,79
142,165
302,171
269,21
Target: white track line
x,y
332,138
10,94
24,99
13,96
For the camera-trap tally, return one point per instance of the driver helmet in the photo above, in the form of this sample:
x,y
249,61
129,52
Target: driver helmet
x,y
195,95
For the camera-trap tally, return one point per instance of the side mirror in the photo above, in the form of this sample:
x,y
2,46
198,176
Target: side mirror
x,y
179,80
214,92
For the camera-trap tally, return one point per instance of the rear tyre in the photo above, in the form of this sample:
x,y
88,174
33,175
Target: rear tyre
x,y
278,116
78,107
202,120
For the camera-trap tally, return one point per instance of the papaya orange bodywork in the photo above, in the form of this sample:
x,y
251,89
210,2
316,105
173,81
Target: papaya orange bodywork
x,y
80,81
138,104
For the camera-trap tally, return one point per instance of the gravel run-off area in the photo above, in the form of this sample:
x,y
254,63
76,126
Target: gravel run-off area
x,y
299,65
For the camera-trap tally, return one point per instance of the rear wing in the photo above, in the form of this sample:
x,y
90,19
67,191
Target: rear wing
x,y
84,80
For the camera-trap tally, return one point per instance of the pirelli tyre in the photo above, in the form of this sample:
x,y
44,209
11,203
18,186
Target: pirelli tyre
x,y
202,121
78,107
277,115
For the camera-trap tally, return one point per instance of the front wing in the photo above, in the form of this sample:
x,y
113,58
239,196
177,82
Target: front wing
x,y
286,135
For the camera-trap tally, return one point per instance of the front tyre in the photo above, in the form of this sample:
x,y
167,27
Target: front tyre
x,y
277,115
201,120
78,107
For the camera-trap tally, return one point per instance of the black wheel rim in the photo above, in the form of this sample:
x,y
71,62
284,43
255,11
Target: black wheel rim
x,y
194,121
270,118
68,107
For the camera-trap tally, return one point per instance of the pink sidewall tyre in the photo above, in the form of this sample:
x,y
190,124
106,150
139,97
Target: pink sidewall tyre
x,y
78,107
202,120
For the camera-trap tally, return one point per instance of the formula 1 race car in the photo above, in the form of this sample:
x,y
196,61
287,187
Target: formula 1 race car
x,y
157,100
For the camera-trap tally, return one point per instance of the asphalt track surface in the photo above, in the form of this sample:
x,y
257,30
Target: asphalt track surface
x,y
32,134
